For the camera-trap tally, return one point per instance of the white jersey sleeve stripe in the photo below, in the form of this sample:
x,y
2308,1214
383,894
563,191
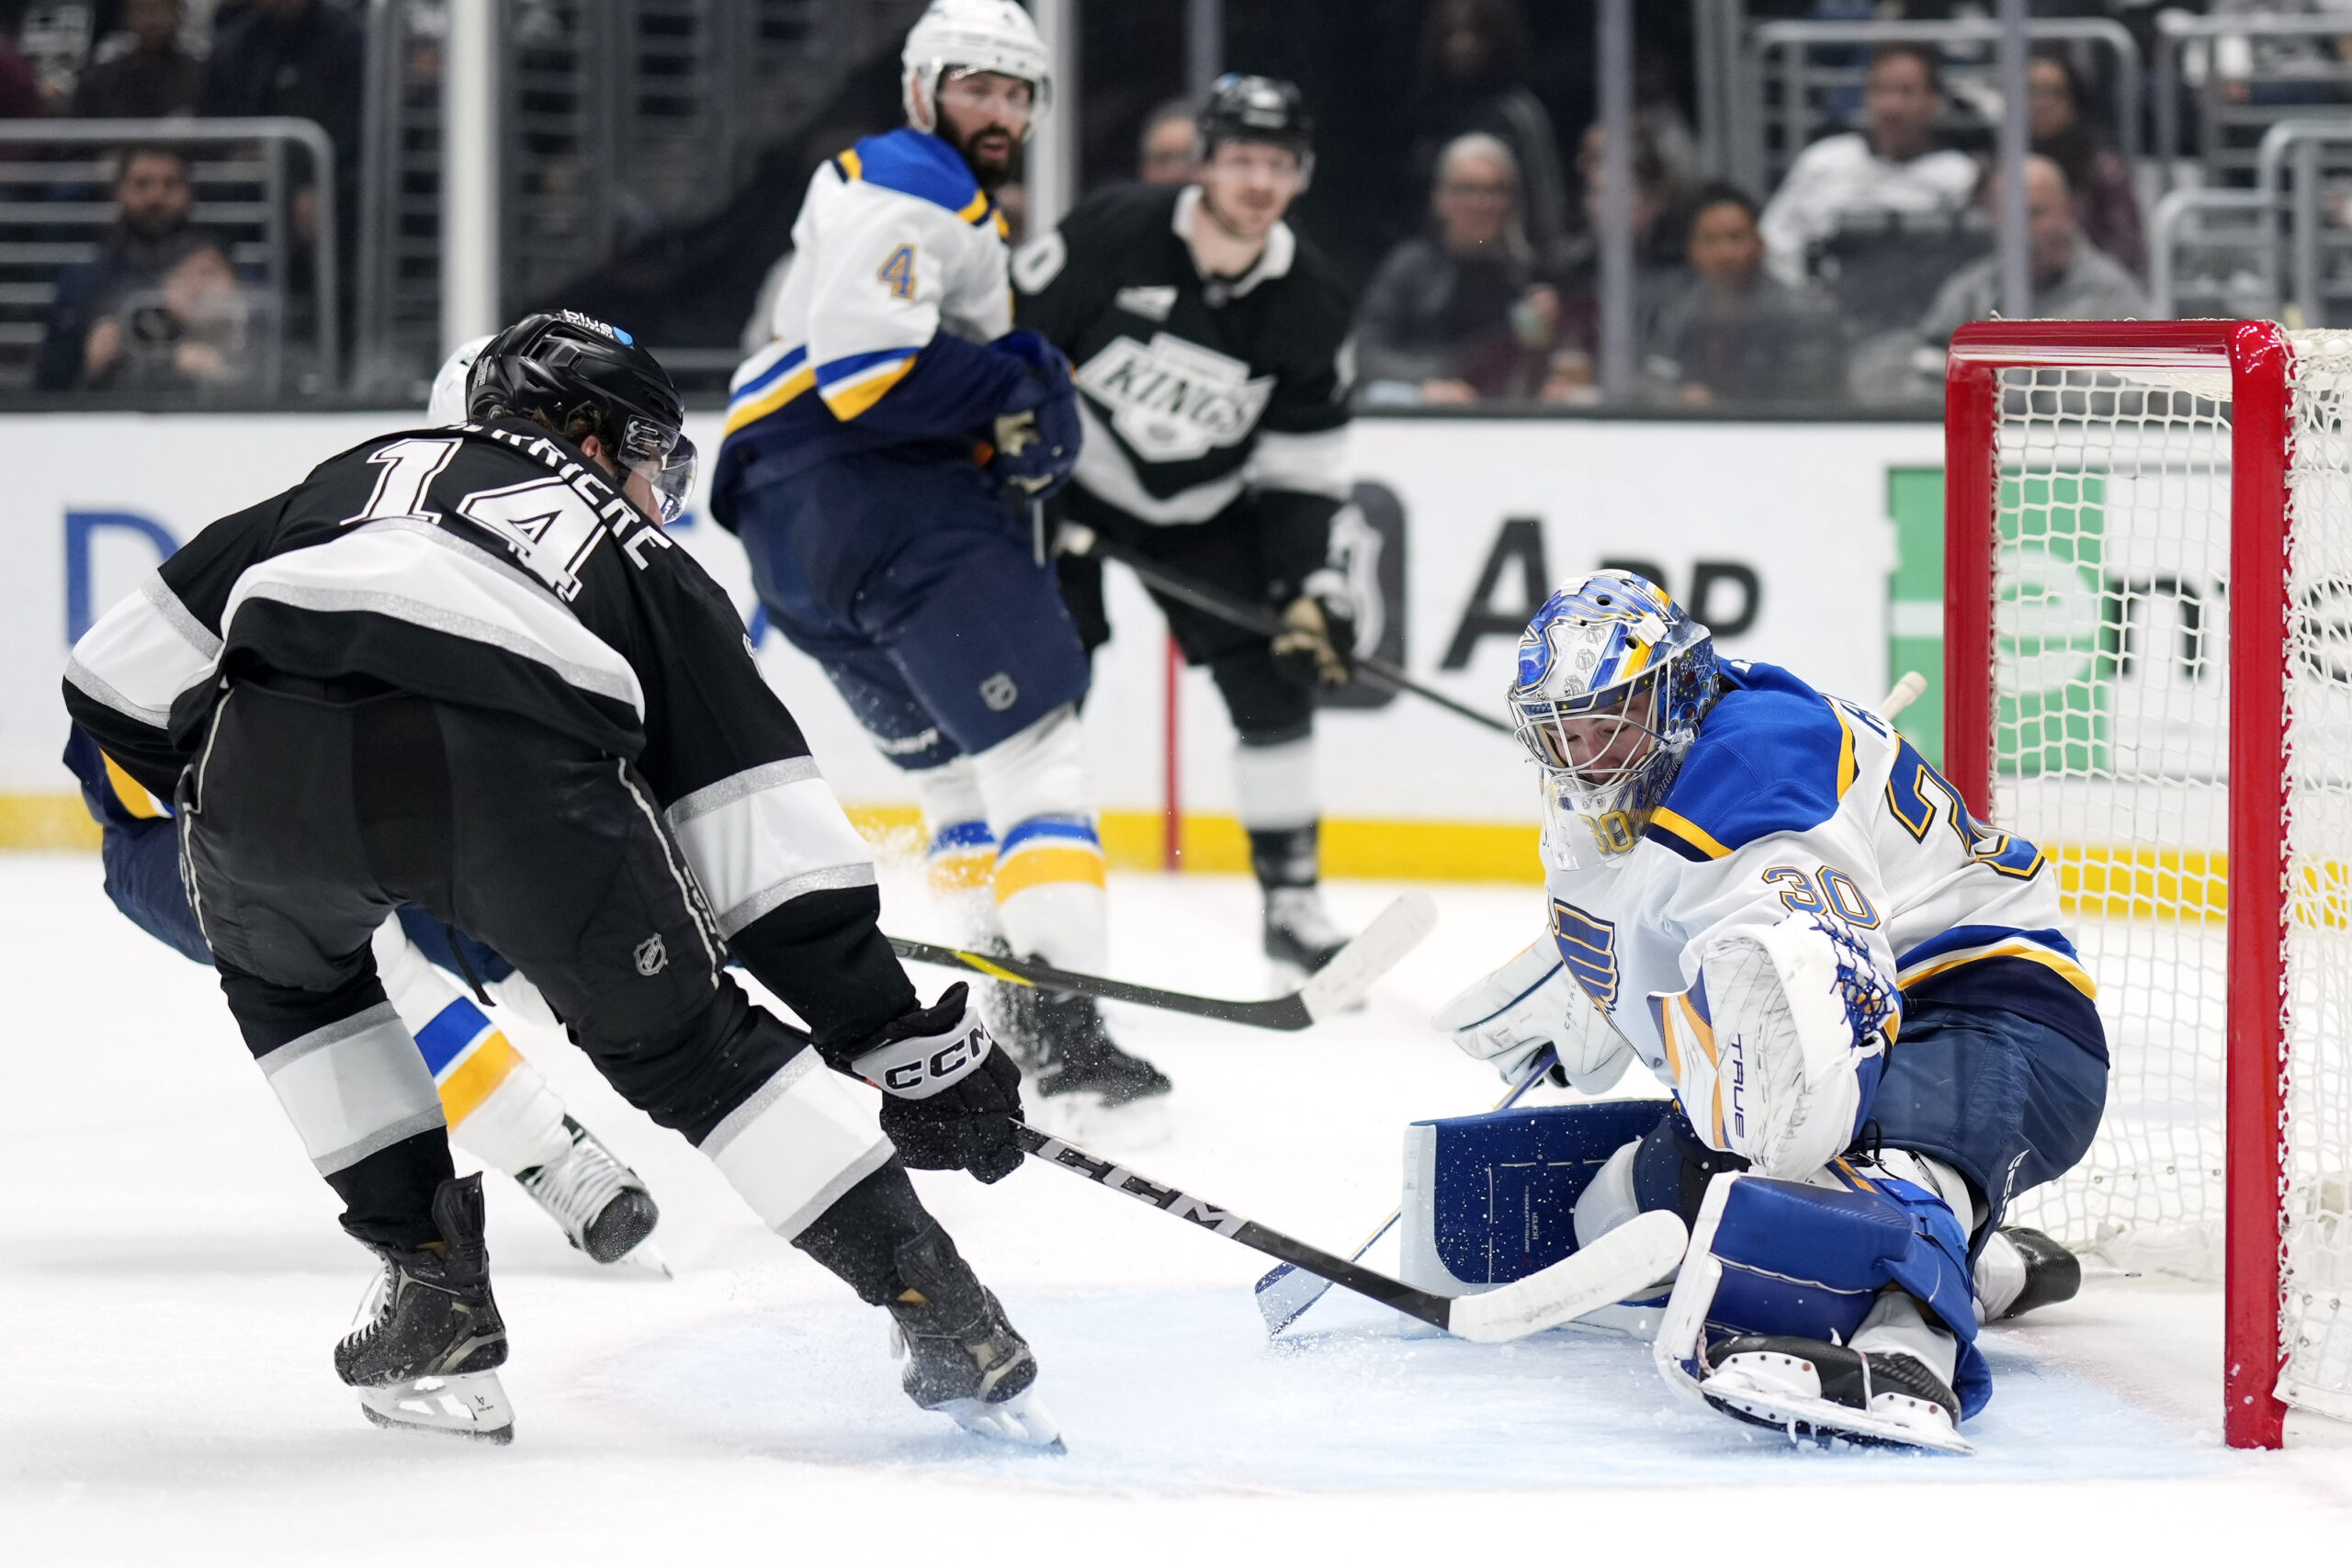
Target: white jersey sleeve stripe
x,y
143,653
766,837
1314,463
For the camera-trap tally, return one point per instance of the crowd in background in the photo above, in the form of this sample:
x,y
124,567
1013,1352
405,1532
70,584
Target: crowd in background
x,y
1459,189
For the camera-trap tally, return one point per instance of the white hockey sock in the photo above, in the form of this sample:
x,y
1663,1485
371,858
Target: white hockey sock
x,y
1275,788
960,859
499,1108
1049,877
1894,1323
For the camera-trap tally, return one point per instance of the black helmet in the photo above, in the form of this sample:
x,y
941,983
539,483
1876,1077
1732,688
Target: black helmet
x,y
557,365
1256,108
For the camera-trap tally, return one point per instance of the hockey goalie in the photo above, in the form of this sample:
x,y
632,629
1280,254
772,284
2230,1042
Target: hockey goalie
x,y
1862,997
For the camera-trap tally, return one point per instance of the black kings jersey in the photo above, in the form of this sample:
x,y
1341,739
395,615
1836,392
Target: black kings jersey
x,y
494,566
1193,389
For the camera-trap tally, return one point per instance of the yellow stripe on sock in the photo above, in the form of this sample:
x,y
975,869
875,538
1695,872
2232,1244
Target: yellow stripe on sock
x,y
961,872
1035,868
475,1075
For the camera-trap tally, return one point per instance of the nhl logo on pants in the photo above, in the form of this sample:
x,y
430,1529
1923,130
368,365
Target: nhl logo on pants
x,y
998,692
653,957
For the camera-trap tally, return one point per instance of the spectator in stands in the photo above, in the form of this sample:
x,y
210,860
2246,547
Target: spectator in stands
x,y
152,235
1474,56
1164,152
2073,280
188,334
1734,333
20,96
1460,314
2110,212
1892,165
1661,225
156,78
303,58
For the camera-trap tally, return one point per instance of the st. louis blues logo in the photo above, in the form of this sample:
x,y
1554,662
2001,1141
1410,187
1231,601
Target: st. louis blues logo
x,y
1588,947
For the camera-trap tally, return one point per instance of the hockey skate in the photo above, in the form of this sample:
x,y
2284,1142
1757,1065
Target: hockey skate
x,y
423,1351
1301,937
604,1208
963,1357
1085,1085
2019,1270
1812,1388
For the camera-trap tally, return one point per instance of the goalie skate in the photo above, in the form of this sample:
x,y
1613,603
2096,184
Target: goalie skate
x,y
1812,1389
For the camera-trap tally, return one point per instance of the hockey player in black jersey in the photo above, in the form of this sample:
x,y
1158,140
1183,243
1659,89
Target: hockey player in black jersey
x,y
463,669
1208,341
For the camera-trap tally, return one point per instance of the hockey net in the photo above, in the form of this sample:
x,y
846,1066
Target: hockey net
x,y
2149,636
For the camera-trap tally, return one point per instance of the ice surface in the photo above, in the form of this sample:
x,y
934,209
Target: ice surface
x,y
171,1279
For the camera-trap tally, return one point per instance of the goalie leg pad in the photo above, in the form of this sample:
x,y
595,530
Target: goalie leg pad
x,y
1781,1258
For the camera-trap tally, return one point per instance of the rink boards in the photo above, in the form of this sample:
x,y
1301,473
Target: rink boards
x,y
1779,536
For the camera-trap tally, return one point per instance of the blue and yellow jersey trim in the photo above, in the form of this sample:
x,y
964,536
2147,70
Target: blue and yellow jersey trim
x,y
1773,756
767,381
1964,945
917,163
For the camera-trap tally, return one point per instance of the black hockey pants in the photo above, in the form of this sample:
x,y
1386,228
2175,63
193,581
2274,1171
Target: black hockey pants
x,y
320,806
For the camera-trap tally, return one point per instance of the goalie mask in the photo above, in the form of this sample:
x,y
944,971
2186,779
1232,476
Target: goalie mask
x,y
1613,678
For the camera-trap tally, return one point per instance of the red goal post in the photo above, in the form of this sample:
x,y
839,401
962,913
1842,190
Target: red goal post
x,y
2102,476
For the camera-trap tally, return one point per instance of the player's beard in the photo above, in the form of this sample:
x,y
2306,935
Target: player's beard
x,y
992,173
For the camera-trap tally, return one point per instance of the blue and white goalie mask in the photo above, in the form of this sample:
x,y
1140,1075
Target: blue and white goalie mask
x,y
1613,678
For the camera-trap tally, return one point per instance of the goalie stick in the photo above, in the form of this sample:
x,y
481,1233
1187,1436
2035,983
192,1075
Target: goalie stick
x,y
1286,1291
1257,618
1638,1253
1337,987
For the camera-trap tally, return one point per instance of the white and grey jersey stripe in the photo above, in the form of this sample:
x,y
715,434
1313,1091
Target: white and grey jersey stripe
x,y
766,836
354,1089
411,570
143,654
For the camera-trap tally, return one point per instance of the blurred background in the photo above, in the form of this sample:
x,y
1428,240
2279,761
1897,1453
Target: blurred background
x,y
248,203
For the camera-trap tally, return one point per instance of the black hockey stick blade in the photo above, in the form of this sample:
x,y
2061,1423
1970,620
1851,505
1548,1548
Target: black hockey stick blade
x,y
1637,1254
1284,1293
1258,618
1337,986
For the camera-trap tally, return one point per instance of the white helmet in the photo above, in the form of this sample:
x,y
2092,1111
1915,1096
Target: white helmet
x,y
972,35
447,405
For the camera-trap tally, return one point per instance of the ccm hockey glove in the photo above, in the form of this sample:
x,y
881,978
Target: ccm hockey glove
x,y
950,1099
1318,643
1037,433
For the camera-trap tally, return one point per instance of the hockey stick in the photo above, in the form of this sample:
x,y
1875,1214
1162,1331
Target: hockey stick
x,y
1337,987
1258,618
1285,1293
1637,1253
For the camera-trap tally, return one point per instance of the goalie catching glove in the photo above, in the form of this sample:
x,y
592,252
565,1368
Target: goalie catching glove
x,y
1318,642
951,1100
1776,1051
1531,1002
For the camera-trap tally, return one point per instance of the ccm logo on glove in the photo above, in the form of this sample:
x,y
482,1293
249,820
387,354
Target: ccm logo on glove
x,y
921,1065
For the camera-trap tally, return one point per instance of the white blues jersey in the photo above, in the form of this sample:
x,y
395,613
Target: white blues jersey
x,y
898,278
1794,802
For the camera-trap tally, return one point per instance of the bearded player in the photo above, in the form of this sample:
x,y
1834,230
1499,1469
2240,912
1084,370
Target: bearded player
x,y
1862,997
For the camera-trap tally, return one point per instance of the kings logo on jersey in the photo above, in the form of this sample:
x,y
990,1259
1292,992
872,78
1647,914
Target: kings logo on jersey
x,y
1173,399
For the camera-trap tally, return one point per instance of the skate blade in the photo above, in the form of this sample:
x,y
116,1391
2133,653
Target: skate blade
x,y
1023,1421
471,1405
1800,1415
647,1257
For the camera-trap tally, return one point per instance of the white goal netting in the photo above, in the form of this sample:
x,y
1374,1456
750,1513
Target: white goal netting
x,y
2111,741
